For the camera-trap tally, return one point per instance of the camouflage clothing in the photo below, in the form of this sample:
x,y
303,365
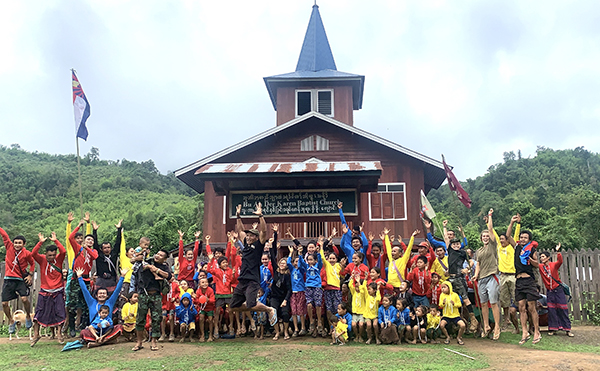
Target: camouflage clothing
x,y
154,303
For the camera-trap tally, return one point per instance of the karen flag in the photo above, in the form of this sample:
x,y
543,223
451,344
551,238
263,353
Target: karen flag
x,y
455,186
81,107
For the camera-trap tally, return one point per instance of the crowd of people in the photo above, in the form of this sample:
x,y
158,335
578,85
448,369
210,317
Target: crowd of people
x,y
362,290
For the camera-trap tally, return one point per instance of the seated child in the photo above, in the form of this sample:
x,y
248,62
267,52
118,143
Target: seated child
x,y
450,304
342,313
402,320
186,314
386,317
129,314
418,323
339,334
102,324
433,325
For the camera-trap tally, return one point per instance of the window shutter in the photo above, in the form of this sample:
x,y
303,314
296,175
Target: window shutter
x,y
375,205
307,144
399,206
322,143
387,206
324,102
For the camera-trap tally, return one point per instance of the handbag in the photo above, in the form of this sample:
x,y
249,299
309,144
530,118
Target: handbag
x,y
565,287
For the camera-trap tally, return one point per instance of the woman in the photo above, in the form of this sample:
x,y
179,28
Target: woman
x,y
486,275
94,307
558,312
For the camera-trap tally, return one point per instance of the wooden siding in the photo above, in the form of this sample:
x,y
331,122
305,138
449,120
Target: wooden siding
x,y
342,102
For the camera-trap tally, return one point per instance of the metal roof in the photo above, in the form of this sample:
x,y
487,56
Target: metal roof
x,y
288,167
315,54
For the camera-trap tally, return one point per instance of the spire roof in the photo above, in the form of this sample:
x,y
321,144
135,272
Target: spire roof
x,y
315,54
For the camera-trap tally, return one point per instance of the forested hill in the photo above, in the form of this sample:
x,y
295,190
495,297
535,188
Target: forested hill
x,y
557,194
37,190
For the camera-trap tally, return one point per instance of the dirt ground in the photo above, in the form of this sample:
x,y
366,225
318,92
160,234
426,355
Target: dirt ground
x,y
500,356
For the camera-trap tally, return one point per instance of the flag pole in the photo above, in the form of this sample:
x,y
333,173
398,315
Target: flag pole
x,y
79,171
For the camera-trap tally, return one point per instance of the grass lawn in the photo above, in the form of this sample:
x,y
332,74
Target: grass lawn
x,y
559,343
237,355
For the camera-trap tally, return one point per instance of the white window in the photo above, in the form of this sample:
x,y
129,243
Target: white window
x,y
388,203
314,100
308,143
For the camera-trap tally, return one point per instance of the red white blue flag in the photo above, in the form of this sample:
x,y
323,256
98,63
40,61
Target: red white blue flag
x,y
81,107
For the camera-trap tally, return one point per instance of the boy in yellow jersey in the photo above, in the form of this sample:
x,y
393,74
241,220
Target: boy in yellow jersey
x,y
358,305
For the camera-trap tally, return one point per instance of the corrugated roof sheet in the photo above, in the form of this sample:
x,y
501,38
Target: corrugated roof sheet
x,y
321,74
288,167
315,54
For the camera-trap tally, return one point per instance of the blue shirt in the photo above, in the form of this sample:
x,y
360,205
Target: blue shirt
x,y
297,274
346,241
402,318
93,304
348,318
386,315
313,273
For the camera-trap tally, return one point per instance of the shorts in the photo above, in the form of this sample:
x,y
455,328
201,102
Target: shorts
x,y
314,296
210,313
420,300
454,320
526,288
191,326
459,286
489,289
507,289
168,313
222,300
298,303
245,291
13,289
358,318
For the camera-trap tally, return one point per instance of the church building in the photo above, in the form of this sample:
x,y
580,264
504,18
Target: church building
x,y
314,157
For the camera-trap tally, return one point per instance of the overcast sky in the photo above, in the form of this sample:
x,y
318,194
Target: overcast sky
x,y
175,81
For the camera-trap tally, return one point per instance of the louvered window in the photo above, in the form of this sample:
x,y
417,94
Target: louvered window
x,y
324,104
322,143
314,143
314,100
307,144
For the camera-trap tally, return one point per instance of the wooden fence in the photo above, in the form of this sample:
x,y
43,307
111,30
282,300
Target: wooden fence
x,y
580,270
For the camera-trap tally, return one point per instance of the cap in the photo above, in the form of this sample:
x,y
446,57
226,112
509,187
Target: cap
x,y
423,244
253,231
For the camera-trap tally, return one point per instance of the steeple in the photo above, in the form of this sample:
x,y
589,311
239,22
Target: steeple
x,y
315,54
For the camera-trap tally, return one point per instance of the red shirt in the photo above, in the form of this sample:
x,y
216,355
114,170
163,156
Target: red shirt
x,y
16,262
222,278
210,299
436,291
550,270
52,278
421,281
377,262
187,268
235,261
386,288
84,256
167,300
362,269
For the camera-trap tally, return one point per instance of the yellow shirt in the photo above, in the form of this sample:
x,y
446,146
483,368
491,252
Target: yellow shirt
x,y
341,330
358,298
433,321
452,303
189,291
436,267
371,304
401,262
506,255
124,261
333,272
129,313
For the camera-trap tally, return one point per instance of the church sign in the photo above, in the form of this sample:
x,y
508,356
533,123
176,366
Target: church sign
x,y
284,203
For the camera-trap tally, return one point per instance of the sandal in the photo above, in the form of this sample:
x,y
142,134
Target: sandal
x,y
550,333
460,341
524,340
137,347
496,337
537,340
154,348
447,341
570,334
276,337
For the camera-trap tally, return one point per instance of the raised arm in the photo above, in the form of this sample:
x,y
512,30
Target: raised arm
x,y
342,218
115,250
180,255
262,224
490,224
512,239
239,225
36,256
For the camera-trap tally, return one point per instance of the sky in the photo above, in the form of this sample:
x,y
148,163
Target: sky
x,y
176,81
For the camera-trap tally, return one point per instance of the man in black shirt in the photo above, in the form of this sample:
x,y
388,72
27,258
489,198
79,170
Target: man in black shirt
x,y
245,294
456,260
526,287
150,279
107,268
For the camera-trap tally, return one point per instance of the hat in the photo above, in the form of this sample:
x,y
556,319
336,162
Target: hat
x,y
253,231
423,244
455,240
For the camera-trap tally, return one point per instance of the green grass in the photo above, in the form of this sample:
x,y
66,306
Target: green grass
x,y
238,356
558,343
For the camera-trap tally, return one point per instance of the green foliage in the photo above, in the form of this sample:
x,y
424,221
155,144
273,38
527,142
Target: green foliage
x,y
38,190
557,194
591,305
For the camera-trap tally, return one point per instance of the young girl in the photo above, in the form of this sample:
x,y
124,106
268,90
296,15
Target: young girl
x,y
450,302
371,310
314,292
260,318
129,315
332,292
386,317
297,267
418,322
402,320
205,304
436,289
223,276
357,266
168,311
281,291
558,311
358,306
384,287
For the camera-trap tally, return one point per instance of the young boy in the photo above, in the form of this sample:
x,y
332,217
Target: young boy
x,y
420,277
205,303
17,278
186,314
358,306
433,324
450,305
168,311
102,325
223,276
339,333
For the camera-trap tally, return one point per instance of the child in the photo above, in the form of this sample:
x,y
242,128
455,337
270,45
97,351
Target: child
x,y
297,267
129,314
358,306
266,271
418,323
102,324
386,315
402,320
186,314
357,266
371,310
223,275
260,318
450,303
205,303
375,276
420,277
184,288
314,292
168,311
433,324
404,292
332,293
187,259
376,256
436,289
339,333
342,313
